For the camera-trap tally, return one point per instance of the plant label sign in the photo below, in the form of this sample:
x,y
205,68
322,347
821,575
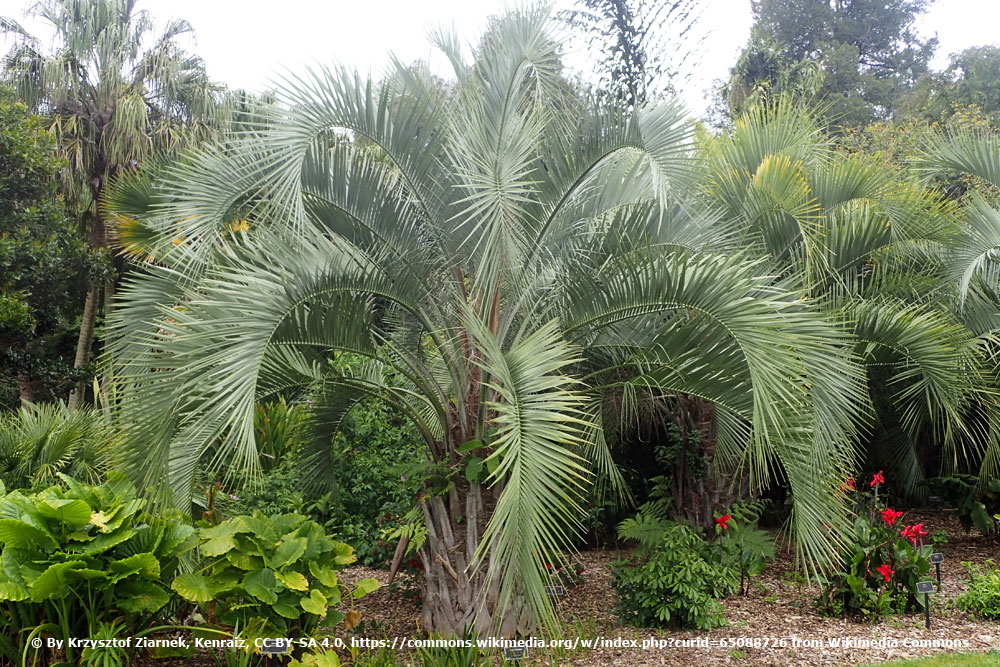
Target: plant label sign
x,y
517,653
925,586
555,591
937,558
275,646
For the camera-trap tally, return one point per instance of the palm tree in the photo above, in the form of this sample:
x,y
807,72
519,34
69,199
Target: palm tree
x,y
505,266
115,97
875,253
971,260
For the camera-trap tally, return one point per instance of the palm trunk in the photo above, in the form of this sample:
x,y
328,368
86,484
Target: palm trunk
x,y
455,597
84,342
86,339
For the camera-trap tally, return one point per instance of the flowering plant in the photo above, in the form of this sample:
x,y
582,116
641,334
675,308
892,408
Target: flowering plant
x,y
882,564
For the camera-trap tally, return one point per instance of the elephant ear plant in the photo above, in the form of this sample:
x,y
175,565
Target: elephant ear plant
x,y
76,556
271,576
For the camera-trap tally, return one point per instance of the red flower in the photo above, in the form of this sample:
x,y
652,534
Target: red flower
x,y
723,520
850,484
548,567
886,571
889,516
914,533
877,479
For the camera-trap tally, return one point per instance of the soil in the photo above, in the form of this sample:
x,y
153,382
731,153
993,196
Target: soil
x,y
774,624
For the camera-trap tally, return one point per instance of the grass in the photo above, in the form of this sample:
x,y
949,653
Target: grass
x,y
991,659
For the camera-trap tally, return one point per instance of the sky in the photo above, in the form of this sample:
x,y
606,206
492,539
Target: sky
x,y
246,43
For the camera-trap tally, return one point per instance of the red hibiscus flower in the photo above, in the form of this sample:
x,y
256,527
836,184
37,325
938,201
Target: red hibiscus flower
x,y
886,572
723,520
877,479
850,484
889,516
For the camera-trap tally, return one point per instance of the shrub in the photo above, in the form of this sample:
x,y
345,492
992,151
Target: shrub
x,y
676,585
271,576
884,561
76,557
982,595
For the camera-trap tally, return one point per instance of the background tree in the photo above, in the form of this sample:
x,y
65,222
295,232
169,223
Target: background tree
x,y
644,48
972,79
867,49
44,262
116,93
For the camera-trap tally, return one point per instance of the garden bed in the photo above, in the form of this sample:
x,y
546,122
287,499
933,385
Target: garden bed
x,y
778,606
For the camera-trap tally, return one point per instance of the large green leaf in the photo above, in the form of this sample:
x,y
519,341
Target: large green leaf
x,y
141,596
194,587
54,582
288,551
314,603
143,564
262,585
71,513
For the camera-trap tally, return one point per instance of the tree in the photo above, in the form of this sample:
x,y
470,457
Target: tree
x,y
867,49
644,47
972,79
516,268
114,98
43,260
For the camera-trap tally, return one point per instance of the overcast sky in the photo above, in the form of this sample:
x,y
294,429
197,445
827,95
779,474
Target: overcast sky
x,y
245,42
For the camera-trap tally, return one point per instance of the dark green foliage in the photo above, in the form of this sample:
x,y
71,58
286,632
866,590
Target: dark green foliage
x,y
972,504
76,557
677,585
867,54
44,263
972,78
638,58
374,449
982,595
271,575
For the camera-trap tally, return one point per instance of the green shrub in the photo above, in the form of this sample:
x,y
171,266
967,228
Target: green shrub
x,y
76,557
676,585
271,576
982,595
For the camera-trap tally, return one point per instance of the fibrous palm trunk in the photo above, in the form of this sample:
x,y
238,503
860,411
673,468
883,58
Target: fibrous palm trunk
x,y
456,596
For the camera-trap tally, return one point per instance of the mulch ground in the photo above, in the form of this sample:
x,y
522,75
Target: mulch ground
x,y
777,609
